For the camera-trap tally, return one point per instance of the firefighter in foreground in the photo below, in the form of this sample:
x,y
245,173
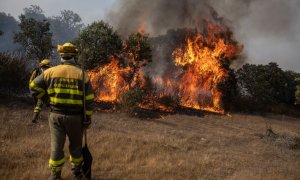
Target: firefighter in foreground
x,y
38,102
64,86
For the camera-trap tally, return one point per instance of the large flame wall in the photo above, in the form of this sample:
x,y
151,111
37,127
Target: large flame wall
x,y
194,83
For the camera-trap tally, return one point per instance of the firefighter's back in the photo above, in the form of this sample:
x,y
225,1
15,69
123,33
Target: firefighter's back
x,y
64,87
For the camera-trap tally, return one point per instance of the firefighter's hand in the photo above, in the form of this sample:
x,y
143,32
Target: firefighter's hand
x,y
87,122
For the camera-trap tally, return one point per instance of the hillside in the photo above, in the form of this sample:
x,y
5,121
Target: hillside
x,y
169,147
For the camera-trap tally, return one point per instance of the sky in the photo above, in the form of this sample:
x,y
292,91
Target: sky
x,y
270,30
89,10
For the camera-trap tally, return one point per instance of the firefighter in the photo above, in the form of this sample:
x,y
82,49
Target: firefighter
x,y
38,102
64,86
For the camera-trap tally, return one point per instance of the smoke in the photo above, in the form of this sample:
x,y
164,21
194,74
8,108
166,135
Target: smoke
x,y
158,16
258,24
8,26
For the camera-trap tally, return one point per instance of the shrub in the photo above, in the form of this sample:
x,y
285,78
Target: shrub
x,y
130,101
13,74
282,139
264,88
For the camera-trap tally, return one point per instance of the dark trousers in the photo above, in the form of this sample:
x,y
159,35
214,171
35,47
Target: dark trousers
x,y
61,126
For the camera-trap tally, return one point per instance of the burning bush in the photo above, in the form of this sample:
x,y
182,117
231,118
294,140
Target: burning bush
x,y
137,54
124,72
194,71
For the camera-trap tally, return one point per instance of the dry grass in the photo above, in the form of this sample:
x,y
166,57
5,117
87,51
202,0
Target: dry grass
x,y
170,147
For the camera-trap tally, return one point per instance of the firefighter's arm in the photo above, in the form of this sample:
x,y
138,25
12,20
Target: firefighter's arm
x,y
37,87
32,77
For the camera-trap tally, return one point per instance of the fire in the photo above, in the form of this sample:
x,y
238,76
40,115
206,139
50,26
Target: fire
x,y
201,70
142,28
109,82
198,67
198,87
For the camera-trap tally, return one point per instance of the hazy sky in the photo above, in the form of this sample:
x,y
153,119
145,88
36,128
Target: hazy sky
x,y
89,10
269,30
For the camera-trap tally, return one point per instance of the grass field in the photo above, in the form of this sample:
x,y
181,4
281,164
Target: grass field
x,y
169,147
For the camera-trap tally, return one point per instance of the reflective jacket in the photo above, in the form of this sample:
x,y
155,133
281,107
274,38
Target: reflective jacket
x,y
64,86
36,72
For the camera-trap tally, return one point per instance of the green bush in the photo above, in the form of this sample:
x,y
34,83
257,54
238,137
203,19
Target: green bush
x,y
297,93
130,101
264,87
13,74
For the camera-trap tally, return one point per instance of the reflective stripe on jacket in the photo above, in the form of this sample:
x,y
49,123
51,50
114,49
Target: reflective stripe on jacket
x,y
64,86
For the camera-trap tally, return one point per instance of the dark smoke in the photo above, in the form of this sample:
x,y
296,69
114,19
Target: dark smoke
x,y
167,22
269,29
157,15
266,17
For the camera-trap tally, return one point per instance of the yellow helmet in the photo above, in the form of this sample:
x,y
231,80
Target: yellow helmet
x,y
67,50
45,63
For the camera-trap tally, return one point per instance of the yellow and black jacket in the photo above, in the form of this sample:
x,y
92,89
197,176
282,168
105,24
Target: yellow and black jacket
x,y
64,86
36,72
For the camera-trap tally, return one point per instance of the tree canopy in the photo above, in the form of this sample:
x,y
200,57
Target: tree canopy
x,y
297,93
266,84
34,12
99,41
65,27
35,37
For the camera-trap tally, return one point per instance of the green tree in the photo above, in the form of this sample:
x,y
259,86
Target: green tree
x,y
138,51
34,12
98,41
35,37
290,85
265,85
65,28
297,92
228,87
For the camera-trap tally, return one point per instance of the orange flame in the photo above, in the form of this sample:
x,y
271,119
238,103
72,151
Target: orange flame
x,y
108,82
142,28
194,84
198,87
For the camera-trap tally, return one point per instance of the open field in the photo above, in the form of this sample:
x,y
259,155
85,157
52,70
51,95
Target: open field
x,y
170,147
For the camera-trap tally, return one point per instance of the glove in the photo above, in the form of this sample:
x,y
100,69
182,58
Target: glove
x,y
87,122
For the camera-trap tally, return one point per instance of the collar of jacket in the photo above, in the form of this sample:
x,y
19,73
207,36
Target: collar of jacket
x,y
69,62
